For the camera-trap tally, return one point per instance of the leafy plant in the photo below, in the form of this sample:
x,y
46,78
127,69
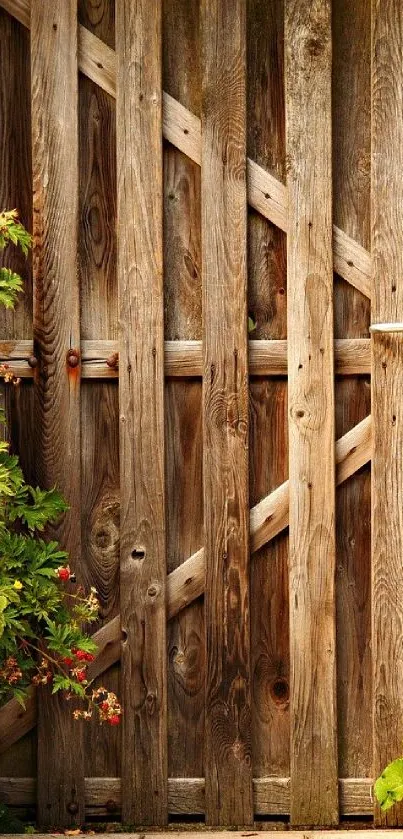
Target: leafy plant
x,y
42,609
389,786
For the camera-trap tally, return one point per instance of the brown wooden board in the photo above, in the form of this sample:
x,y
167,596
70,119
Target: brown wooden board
x,y
99,400
267,304
225,415
351,206
183,417
314,787
141,404
57,334
387,387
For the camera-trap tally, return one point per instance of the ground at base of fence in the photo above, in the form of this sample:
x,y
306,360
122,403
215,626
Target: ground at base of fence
x,y
371,833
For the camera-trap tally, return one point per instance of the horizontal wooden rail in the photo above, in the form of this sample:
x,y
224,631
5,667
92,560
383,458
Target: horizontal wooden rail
x,y
185,358
182,128
186,795
267,519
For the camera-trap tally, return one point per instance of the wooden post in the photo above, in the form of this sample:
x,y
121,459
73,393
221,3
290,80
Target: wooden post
x,y
57,345
314,786
225,398
387,389
141,389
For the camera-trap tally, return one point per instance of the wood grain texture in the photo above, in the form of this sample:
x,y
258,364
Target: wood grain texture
x,y
15,163
387,388
100,508
314,790
141,393
182,128
56,332
186,796
225,415
183,399
351,100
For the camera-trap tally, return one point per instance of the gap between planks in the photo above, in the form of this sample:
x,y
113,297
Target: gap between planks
x,y
182,129
185,358
267,518
271,796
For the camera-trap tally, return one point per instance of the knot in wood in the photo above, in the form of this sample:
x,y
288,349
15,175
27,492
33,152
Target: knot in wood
x,y
153,590
72,808
151,703
73,358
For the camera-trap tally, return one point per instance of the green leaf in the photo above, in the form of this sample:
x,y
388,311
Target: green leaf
x,y
10,287
251,324
389,786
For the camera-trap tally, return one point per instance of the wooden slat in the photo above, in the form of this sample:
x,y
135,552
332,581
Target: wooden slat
x,y
182,128
141,384
56,332
387,388
351,52
100,359
314,790
186,796
225,417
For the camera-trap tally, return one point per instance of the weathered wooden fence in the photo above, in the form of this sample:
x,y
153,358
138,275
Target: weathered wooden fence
x,y
239,143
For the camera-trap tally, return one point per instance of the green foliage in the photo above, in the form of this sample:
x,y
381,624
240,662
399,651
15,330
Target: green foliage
x,y
389,786
42,610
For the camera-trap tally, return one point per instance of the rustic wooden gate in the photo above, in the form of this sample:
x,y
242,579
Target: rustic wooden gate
x,y
278,693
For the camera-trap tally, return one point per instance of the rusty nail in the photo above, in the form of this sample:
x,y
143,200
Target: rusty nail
x,y
113,360
33,361
73,358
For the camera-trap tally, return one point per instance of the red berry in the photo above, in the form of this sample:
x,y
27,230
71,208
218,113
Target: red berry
x,y
89,657
67,660
114,720
81,675
81,655
104,706
63,574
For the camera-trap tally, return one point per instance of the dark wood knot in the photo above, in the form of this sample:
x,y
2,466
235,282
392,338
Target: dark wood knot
x,y
73,358
113,360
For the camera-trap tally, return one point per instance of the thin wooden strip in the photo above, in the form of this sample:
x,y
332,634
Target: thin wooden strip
x,y
351,261
141,394
15,349
186,796
186,583
57,334
314,787
225,415
387,389
20,9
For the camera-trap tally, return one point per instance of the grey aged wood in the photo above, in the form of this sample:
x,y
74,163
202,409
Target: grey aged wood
x,y
141,394
56,335
225,415
314,789
387,388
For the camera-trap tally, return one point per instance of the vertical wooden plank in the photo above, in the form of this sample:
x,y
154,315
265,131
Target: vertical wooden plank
x,y
100,497
56,333
267,305
387,388
314,788
225,397
141,384
351,120
183,398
